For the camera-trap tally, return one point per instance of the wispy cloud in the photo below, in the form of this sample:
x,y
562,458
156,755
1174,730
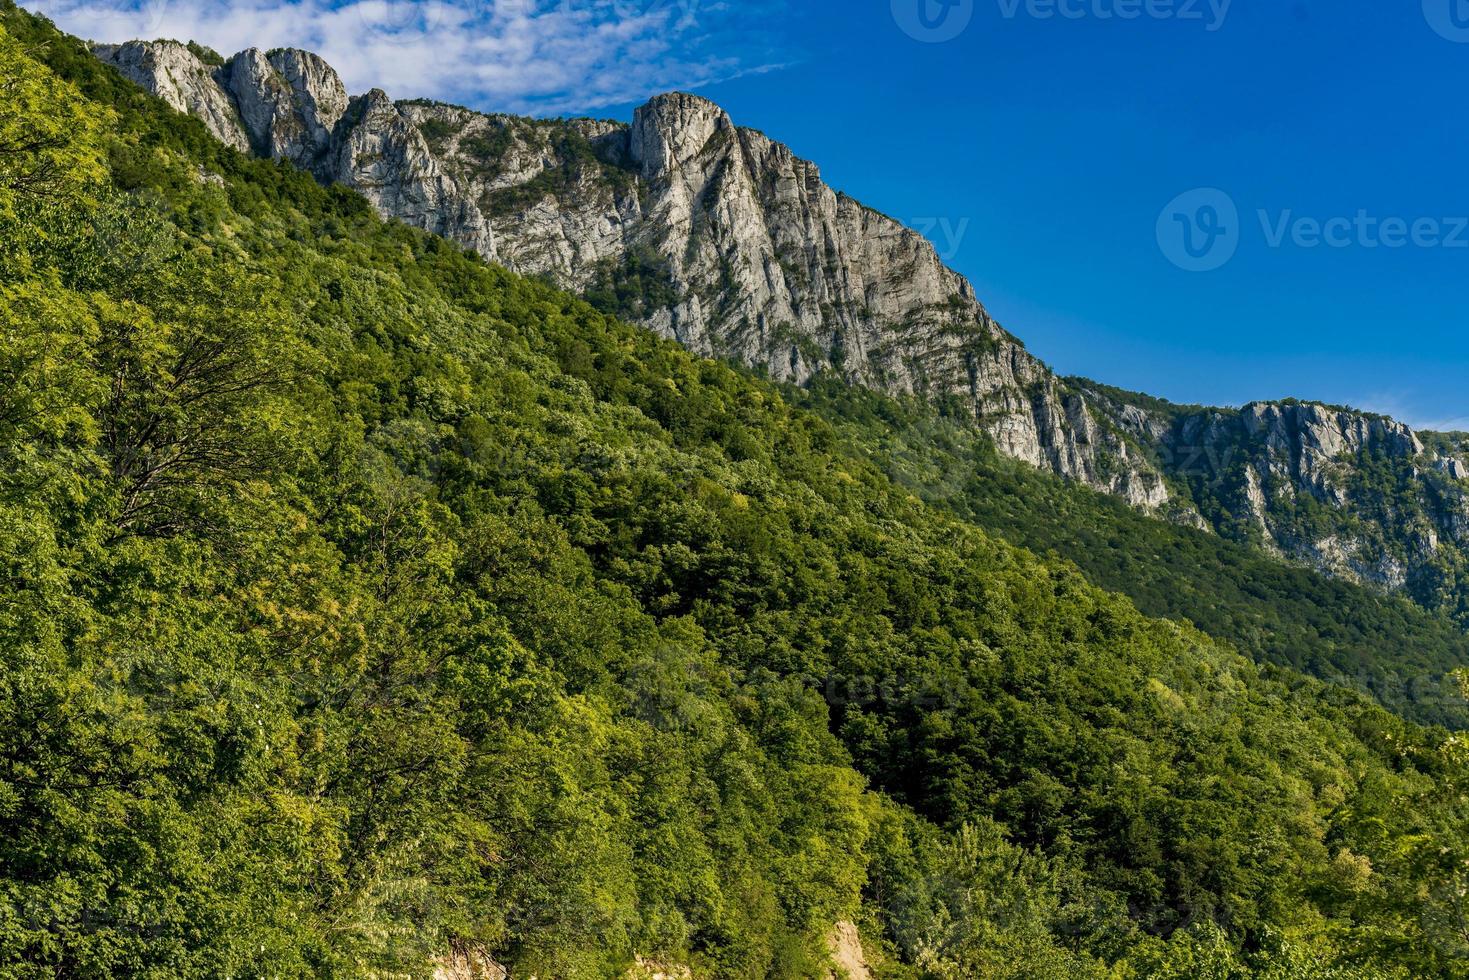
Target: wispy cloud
x,y
1458,424
530,56
1403,408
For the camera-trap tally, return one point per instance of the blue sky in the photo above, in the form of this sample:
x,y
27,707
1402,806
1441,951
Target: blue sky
x,y
1066,155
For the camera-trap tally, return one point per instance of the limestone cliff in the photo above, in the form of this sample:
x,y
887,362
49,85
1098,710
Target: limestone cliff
x,y
291,105
762,261
177,76
1354,494
723,239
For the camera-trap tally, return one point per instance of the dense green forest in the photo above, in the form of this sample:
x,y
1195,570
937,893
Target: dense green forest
x,y
1389,647
363,602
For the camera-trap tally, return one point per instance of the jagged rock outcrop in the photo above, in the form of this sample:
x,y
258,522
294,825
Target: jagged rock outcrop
x,y
380,152
762,261
1356,495
724,240
291,105
290,102
175,74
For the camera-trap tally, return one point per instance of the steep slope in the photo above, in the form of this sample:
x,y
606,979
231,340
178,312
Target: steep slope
x,y
761,261
720,238
367,604
1352,494
1408,658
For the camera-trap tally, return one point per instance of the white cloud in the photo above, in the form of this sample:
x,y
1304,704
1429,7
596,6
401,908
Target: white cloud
x,y
527,56
1402,407
1458,424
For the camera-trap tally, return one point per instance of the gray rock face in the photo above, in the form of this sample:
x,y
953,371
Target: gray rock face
x,y
1354,495
290,102
175,74
738,249
767,265
382,153
291,105
763,262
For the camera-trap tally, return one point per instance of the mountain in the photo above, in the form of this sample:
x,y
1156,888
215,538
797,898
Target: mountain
x,y
1405,656
371,610
750,255
720,238
1357,495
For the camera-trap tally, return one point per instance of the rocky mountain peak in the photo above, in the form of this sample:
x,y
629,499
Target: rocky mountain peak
x,y
175,74
726,241
673,129
740,247
290,102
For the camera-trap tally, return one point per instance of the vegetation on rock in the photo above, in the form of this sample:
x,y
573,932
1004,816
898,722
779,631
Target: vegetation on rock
x,y
364,602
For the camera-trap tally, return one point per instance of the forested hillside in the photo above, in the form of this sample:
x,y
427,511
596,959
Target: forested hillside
x,y
717,236
364,603
1406,657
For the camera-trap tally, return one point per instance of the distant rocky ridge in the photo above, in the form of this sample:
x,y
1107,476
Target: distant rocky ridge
x,y
1354,494
724,240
